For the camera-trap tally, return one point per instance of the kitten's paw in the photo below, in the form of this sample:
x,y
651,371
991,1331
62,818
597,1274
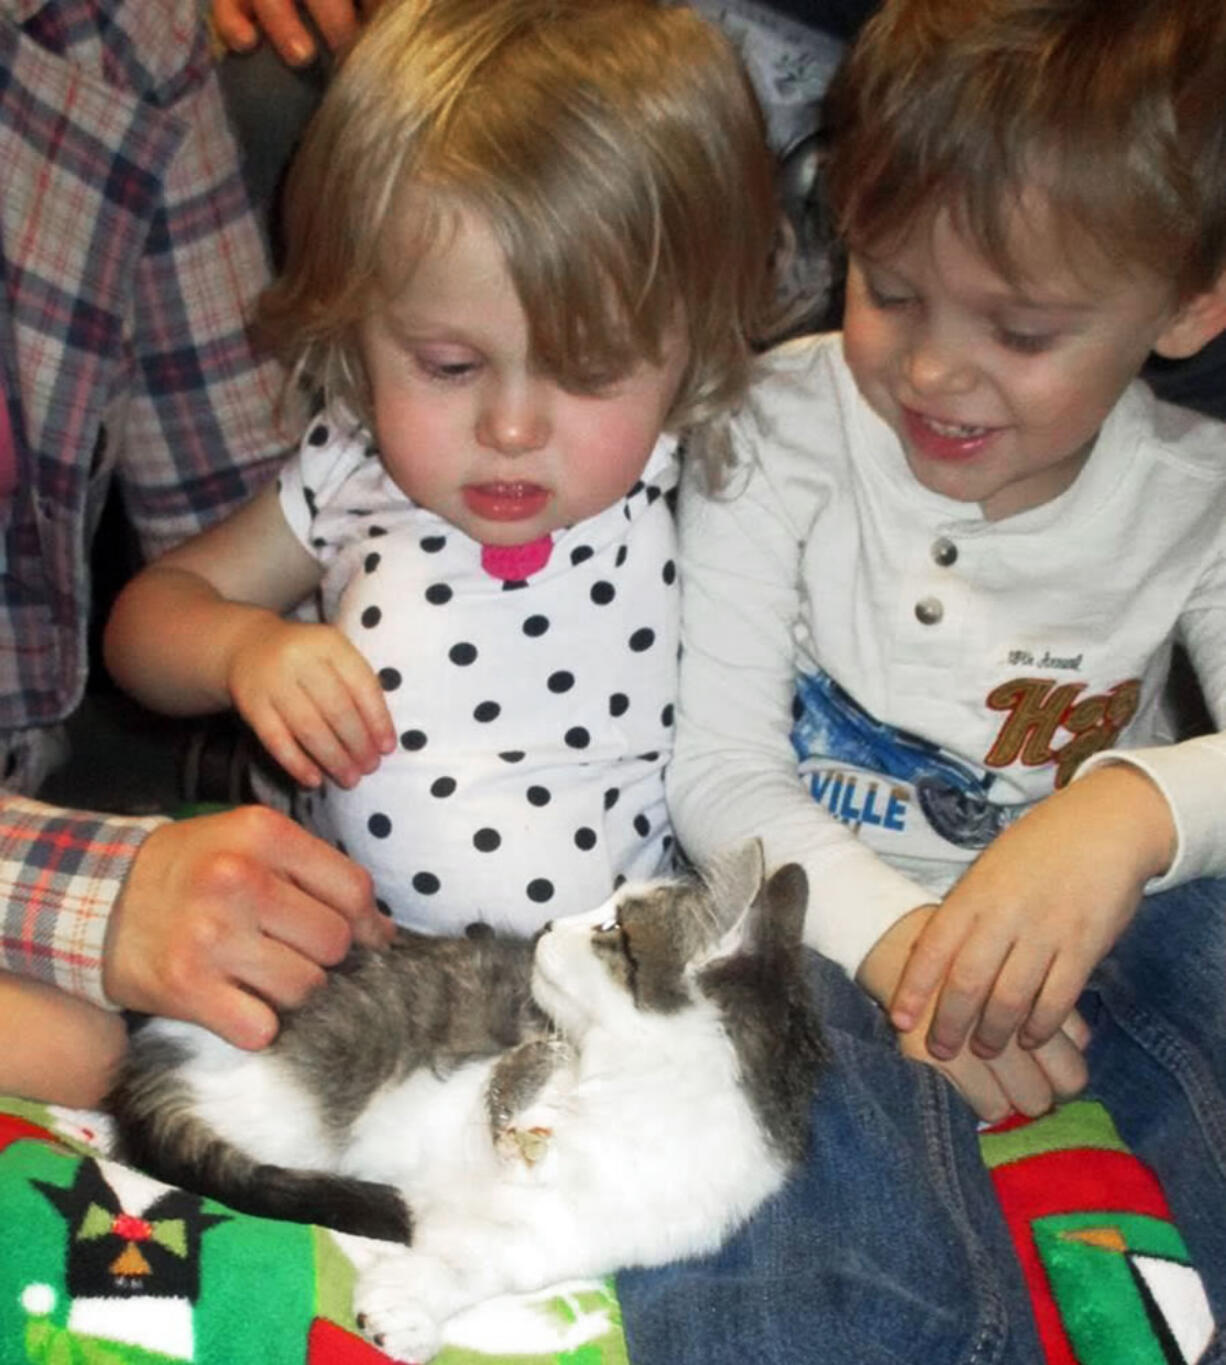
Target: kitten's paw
x,y
389,1316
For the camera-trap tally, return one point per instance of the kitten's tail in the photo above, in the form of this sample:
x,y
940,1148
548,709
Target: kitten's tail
x,y
160,1133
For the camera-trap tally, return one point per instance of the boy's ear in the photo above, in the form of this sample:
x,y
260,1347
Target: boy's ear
x,y
1196,323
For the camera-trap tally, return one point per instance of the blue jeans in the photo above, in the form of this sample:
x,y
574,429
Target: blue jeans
x,y
889,1245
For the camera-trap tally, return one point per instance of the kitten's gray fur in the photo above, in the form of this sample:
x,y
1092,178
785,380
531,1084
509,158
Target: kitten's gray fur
x,y
438,1004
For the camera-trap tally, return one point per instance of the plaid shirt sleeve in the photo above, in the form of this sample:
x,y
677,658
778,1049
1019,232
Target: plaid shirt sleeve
x,y
60,875
193,422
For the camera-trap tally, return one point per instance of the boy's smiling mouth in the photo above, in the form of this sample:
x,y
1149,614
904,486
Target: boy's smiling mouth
x,y
938,439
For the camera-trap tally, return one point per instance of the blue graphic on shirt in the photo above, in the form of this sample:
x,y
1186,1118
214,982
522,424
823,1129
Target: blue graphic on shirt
x,y
832,732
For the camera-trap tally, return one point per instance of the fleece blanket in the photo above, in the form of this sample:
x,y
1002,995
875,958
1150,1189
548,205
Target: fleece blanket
x,y
100,1265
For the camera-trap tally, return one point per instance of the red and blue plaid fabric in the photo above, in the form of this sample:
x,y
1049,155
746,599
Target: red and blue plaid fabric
x,y
129,259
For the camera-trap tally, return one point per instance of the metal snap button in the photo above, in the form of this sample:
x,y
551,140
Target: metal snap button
x,y
944,552
929,610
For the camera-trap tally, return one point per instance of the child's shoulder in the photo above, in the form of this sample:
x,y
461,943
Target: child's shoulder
x,y
1186,442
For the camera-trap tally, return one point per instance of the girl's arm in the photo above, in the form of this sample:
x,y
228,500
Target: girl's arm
x,y
201,629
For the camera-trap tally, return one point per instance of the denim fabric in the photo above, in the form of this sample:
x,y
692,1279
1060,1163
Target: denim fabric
x,y
889,1245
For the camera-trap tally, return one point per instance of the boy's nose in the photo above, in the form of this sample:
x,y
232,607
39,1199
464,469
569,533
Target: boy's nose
x,y
515,419
932,366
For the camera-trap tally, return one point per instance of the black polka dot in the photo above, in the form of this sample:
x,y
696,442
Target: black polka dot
x,y
371,562
512,755
650,756
580,553
619,881
486,840
638,488
319,434
603,593
389,679
561,681
577,737
642,826
371,617
374,531
413,740
536,625
486,711
510,584
442,786
425,883
610,798
642,639
462,654
540,890
669,572
666,716
585,838
438,594
622,551
382,906
318,542
379,825
619,704
433,544
538,796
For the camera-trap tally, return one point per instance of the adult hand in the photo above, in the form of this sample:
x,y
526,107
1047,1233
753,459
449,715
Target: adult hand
x,y
224,917
240,23
1012,945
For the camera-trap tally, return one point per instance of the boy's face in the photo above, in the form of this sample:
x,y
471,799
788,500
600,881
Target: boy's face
x,y
466,424
996,390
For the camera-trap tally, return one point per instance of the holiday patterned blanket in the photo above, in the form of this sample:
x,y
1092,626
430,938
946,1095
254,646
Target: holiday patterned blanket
x,y
100,1265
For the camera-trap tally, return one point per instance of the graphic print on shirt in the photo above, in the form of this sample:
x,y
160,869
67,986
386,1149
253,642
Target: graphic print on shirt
x,y
903,792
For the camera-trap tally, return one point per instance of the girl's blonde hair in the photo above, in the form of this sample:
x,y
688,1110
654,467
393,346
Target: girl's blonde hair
x,y
1115,110
615,148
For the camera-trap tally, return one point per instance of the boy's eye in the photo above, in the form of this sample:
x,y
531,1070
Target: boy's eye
x,y
1026,343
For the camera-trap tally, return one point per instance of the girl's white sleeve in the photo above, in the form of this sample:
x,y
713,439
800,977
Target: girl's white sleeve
x,y
734,772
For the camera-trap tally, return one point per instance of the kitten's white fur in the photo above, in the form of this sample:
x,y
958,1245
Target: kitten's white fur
x,y
651,1152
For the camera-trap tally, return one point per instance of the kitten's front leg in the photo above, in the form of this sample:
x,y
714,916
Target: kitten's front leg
x,y
522,1101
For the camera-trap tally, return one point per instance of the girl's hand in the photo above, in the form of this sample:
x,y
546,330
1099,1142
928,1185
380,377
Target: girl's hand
x,y
1010,949
312,698
240,23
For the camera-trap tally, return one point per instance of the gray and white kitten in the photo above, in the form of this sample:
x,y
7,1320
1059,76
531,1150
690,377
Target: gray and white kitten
x,y
624,1090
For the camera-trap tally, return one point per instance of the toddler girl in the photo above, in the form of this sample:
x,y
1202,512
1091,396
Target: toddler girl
x,y
513,273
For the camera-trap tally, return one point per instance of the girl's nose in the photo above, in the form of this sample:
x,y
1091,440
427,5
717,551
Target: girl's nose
x,y
515,418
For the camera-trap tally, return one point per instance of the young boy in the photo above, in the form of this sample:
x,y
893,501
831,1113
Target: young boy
x,y
944,579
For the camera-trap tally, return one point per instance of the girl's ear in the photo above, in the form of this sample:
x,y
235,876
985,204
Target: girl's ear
x,y
1197,322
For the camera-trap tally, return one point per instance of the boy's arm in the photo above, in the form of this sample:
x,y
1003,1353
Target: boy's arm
x,y
201,629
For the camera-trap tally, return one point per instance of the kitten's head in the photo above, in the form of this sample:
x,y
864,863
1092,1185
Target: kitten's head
x,y
653,947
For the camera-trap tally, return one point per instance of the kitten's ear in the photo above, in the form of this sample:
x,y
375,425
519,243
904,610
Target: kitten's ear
x,y
734,879
759,913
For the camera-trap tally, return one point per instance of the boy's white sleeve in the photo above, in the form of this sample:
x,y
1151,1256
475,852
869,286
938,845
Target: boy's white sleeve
x,y
734,772
1192,774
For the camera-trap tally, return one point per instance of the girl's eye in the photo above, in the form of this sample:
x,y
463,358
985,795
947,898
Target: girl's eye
x,y
444,367
883,298
1026,343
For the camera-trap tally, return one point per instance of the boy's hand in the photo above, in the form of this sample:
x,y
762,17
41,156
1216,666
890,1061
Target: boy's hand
x,y
1026,1081
1010,949
312,699
225,918
239,23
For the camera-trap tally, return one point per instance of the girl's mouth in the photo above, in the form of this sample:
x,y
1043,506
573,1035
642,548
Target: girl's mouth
x,y
505,501
940,440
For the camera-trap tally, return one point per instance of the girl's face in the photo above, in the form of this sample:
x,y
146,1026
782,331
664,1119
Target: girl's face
x,y
996,392
468,427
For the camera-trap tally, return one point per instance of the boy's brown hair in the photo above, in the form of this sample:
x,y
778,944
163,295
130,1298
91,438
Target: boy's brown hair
x,y
1114,109
616,149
